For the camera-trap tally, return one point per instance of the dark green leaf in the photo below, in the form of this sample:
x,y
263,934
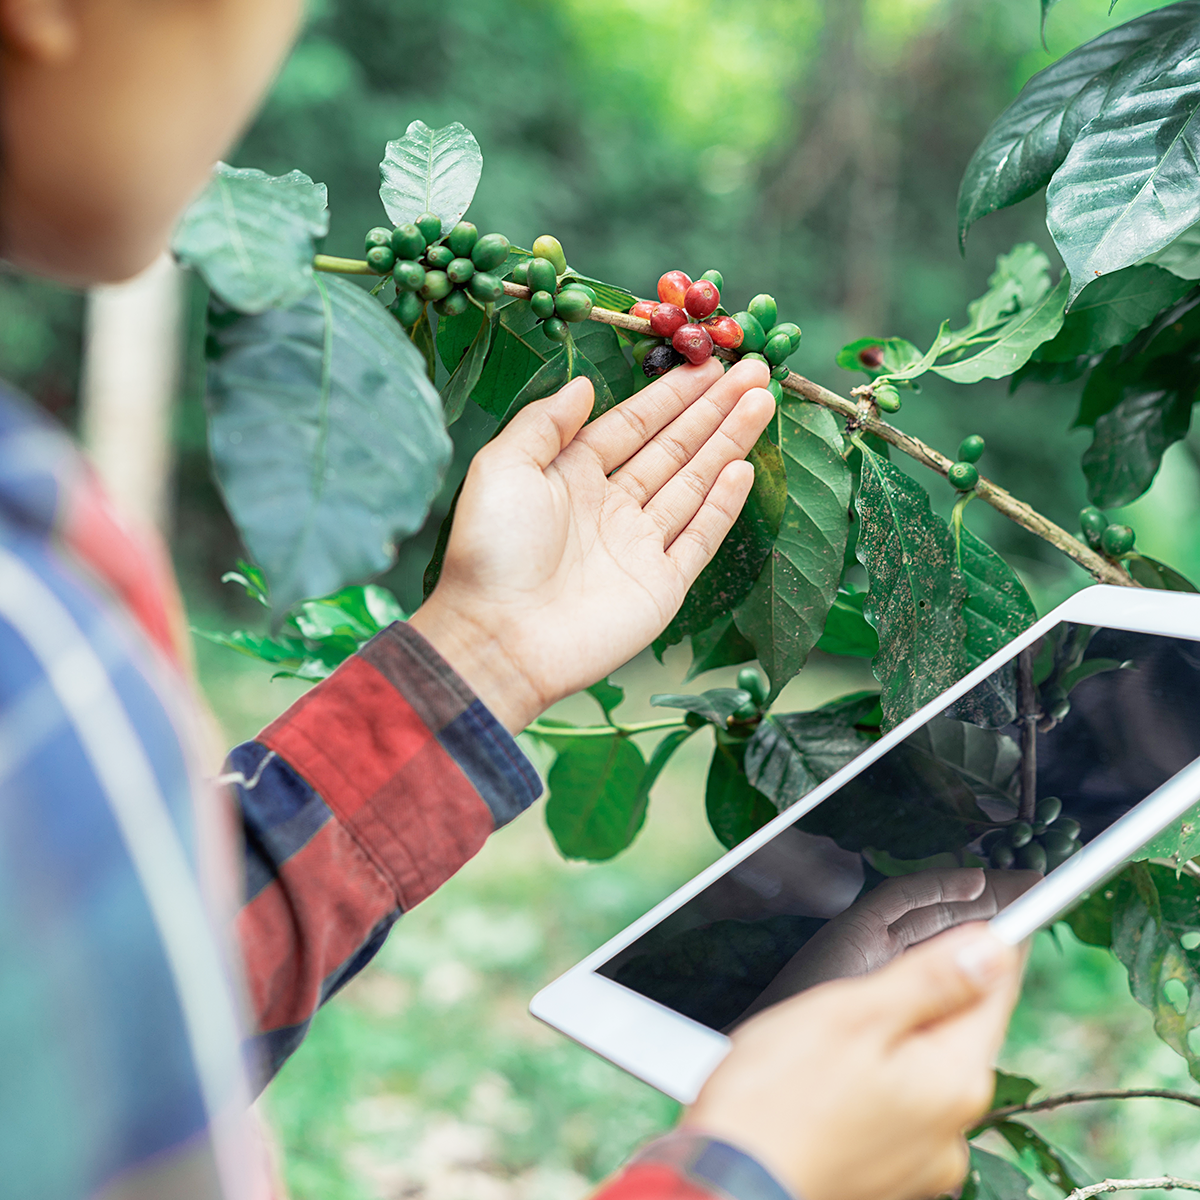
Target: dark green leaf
x,y
897,355
721,645
784,614
727,580
1038,1152
984,759
916,595
608,295
1111,310
1022,149
1011,1089
1036,371
791,753
421,336
466,372
1182,256
549,378
1128,185
859,708
1091,919
658,760
595,808
735,809
430,170
716,705
607,695
1151,573
847,631
1072,678
993,1178
252,236
1153,908
326,436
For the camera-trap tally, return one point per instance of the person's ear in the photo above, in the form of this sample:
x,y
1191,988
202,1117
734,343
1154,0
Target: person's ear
x,y
44,30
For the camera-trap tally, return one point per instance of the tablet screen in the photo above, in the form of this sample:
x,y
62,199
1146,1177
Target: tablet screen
x,y
1015,777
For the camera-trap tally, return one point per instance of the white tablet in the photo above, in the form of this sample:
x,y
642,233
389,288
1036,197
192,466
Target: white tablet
x,y
1087,780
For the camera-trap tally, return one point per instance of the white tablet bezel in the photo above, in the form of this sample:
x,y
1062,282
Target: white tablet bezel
x,y
676,1055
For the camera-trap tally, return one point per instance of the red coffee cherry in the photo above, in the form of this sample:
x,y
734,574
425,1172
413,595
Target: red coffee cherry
x,y
666,318
694,342
702,298
672,288
725,331
643,309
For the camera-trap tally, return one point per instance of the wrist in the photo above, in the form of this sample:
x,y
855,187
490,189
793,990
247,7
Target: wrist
x,y
480,658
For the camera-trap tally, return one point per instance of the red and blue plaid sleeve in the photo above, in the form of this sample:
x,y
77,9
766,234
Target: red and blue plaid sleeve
x,y
357,803
691,1166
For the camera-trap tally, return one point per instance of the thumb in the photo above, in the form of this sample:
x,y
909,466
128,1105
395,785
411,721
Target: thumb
x,y
544,428
946,975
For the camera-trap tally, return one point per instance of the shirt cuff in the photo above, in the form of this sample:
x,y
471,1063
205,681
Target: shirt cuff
x,y
713,1166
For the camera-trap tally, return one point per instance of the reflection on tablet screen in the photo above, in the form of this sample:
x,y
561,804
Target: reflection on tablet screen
x,y
895,855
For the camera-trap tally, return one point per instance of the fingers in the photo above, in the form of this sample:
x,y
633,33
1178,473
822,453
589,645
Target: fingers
x,y
891,900
673,449
543,429
693,549
944,976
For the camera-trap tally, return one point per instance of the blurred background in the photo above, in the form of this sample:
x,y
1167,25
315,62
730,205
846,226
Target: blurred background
x,y
807,148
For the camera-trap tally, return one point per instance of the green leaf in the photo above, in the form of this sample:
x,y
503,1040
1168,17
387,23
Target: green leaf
x,y
1091,919
1038,1152
608,295
1155,412
716,705
993,1178
430,170
595,808
1022,149
784,614
916,595
1011,1089
1111,310
283,651
1153,908
728,578
658,760
252,579
608,695
252,236
421,336
914,370
1179,842
721,645
897,355
1151,573
1128,185
986,760
467,371
1014,341
1020,280
735,809
1182,256
326,436
847,631
1073,677
791,753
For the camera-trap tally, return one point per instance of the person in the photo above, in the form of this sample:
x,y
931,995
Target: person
x,y
139,1010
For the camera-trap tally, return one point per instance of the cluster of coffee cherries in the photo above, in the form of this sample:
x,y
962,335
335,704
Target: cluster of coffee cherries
x,y
557,304
1114,541
964,475
687,326
429,268
1042,845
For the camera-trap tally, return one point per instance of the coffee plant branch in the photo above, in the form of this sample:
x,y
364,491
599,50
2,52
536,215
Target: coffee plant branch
x,y
998,1115
1161,1182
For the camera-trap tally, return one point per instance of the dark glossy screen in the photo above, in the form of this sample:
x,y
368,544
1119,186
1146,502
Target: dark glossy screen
x,y
895,855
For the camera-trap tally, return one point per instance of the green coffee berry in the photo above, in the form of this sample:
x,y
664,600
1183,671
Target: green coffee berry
x,y
1020,833
409,276
764,310
439,257
381,259
963,476
542,304
777,349
520,273
749,680
1055,842
430,225
1093,523
408,309
408,241
694,720
437,286
971,448
454,305
462,239
791,329
714,277
556,329
1048,810
1039,827
643,346
992,838
887,398
1068,826
490,251
1116,540
379,236
486,287
1002,856
753,357
780,372
460,271
551,248
573,304
754,337
776,390
542,276
1032,857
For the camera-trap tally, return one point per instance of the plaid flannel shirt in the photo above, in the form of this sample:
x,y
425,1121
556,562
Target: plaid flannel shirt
x,y
132,1036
